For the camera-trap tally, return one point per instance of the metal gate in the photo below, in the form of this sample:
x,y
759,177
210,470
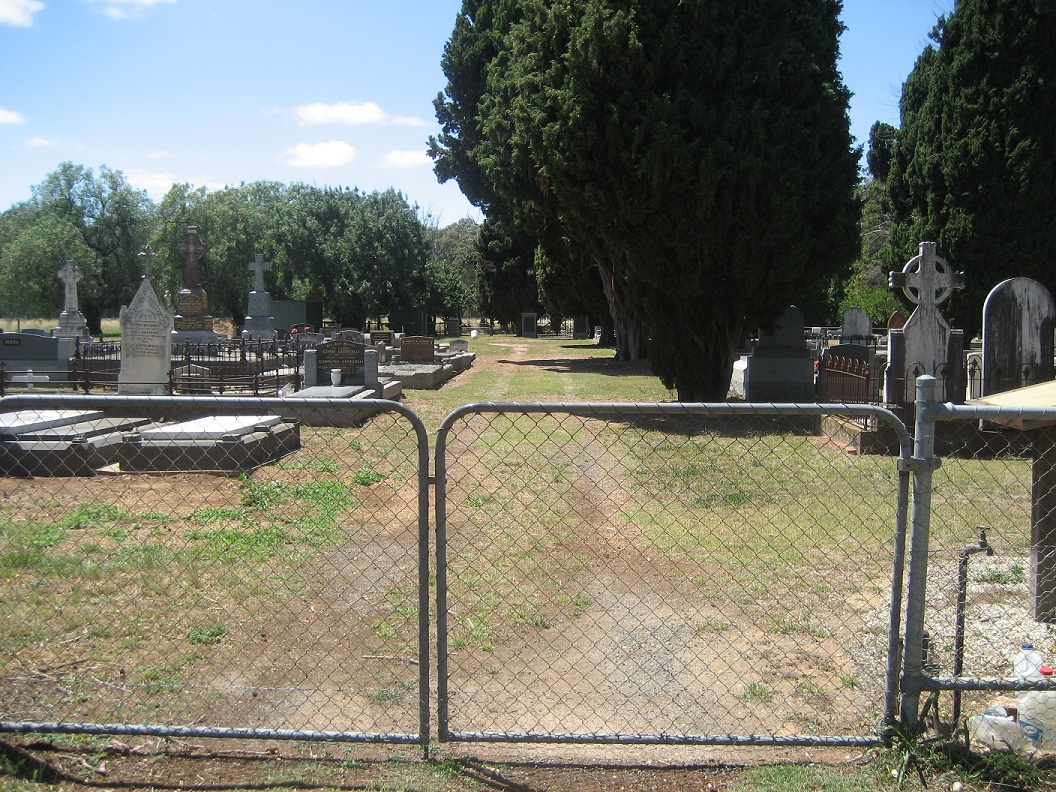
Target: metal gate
x,y
271,583
667,573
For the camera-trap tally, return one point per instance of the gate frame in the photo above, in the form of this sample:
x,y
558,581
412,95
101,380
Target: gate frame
x,y
345,413
596,409
914,681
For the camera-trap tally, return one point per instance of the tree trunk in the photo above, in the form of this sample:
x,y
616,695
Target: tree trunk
x,y
716,352
632,336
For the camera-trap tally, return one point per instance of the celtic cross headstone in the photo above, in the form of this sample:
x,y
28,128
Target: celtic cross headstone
x,y
926,344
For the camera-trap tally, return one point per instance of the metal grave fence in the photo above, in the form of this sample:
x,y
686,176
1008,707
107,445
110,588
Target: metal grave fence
x,y
257,579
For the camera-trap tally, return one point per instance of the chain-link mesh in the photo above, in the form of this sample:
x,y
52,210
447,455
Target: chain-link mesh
x,y
280,591
673,577
991,574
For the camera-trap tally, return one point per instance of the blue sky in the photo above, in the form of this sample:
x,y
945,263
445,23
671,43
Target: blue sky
x,y
328,92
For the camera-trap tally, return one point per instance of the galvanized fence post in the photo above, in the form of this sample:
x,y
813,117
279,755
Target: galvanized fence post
x,y
921,465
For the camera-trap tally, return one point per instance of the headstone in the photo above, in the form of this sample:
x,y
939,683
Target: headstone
x,y
580,327
192,321
458,345
781,368
355,336
357,363
411,321
71,322
417,349
381,337
1019,319
259,322
926,345
43,354
857,327
896,321
146,339
529,325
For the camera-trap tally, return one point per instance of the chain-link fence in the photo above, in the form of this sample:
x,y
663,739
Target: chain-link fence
x,y
260,578
673,573
982,555
664,573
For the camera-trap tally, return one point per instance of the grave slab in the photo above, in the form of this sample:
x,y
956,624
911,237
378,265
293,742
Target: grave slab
x,y
75,444
210,443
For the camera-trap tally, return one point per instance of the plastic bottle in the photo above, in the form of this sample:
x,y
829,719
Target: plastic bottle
x,y
1037,714
1028,662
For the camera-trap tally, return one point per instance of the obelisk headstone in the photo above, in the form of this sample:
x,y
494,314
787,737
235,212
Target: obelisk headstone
x,y
71,322
193,321
146,339
259,321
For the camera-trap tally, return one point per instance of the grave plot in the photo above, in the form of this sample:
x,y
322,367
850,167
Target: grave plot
x,y
61,442
225,443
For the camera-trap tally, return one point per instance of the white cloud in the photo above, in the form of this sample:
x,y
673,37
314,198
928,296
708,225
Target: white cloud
x,y
407,159
341,113
19,13
124,9
332,154
40,142
408,121
10,116
162,154
158,183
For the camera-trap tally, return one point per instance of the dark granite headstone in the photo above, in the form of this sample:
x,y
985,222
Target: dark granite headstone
x,y
417,349
1018,326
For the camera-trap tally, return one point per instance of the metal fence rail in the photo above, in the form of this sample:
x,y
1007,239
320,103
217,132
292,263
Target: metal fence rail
x,y
286,600
665,574
981,578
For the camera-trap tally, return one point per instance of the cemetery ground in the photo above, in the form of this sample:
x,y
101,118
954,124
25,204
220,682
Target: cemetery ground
x,y
507,369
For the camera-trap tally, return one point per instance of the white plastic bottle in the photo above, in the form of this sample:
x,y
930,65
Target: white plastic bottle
x,y
1028,662
1037,714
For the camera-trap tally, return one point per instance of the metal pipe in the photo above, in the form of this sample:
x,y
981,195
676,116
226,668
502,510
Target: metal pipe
x,y
962,597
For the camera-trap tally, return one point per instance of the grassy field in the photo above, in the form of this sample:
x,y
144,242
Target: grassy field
x,y
143,587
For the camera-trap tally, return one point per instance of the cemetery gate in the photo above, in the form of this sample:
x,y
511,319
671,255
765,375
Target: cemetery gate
x,y
666,573
610,573
179,587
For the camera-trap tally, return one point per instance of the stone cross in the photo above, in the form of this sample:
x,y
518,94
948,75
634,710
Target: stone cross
x,y
259,267
926,344
193,249
69,275
147,257
926,280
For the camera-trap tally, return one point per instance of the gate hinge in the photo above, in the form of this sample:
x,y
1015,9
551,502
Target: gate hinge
x,y
918,465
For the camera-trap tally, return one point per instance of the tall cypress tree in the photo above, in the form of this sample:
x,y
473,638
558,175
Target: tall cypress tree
x,y
698,153
973,166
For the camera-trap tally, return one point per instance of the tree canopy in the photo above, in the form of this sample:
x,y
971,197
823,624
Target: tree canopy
x,y
698,154
361,255
972,165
